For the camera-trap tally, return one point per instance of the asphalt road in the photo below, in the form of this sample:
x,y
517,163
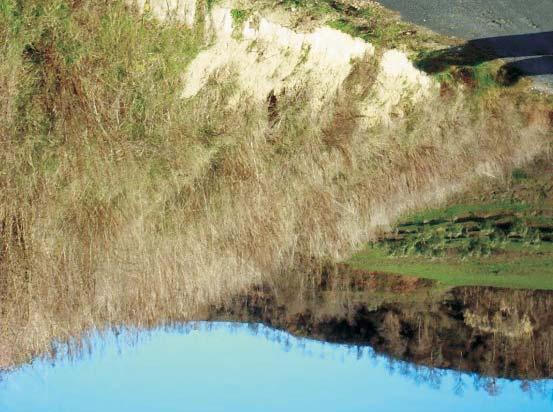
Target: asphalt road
x,y
521,31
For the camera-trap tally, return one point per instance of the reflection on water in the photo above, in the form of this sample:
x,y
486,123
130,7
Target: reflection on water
x,y
493,332
250,367
339,340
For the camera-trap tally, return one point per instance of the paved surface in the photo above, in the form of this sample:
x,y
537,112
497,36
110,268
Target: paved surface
x,y
520,30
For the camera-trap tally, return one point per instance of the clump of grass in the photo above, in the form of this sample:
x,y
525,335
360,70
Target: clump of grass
x,y
345,26
239,16
519,174
210,3
87,89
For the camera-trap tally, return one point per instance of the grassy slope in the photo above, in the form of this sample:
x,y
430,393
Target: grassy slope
x,y
520,260
120,202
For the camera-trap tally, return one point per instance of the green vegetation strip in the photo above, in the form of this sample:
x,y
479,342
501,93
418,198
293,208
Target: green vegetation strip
x,y
523,272
457,210
369,21
501,243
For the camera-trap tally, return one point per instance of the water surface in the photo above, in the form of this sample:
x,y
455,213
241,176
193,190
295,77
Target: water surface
x,y
223,366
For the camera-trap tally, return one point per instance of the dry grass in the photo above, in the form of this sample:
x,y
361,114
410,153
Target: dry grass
x,y
122,203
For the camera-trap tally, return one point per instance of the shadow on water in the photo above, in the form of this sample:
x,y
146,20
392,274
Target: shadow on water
x,y
528,54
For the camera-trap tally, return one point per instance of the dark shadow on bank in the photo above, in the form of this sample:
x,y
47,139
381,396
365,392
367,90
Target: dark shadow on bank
x,y
533,53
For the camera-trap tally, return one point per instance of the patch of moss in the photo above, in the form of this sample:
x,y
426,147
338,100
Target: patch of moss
x,y
239,16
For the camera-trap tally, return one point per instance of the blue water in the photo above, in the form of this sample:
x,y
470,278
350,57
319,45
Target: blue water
x,y
240,367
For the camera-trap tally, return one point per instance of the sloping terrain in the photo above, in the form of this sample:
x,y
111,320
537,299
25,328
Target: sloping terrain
x,y
158,157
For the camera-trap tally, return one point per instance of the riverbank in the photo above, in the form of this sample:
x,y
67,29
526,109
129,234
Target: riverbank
x,y
154,165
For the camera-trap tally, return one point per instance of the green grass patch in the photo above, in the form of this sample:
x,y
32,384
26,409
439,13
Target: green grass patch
x,y
504,241
316,7
484,76
372,28
453,211
519,174
371,22
239,16
210,3
347,27
507,271
476,69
